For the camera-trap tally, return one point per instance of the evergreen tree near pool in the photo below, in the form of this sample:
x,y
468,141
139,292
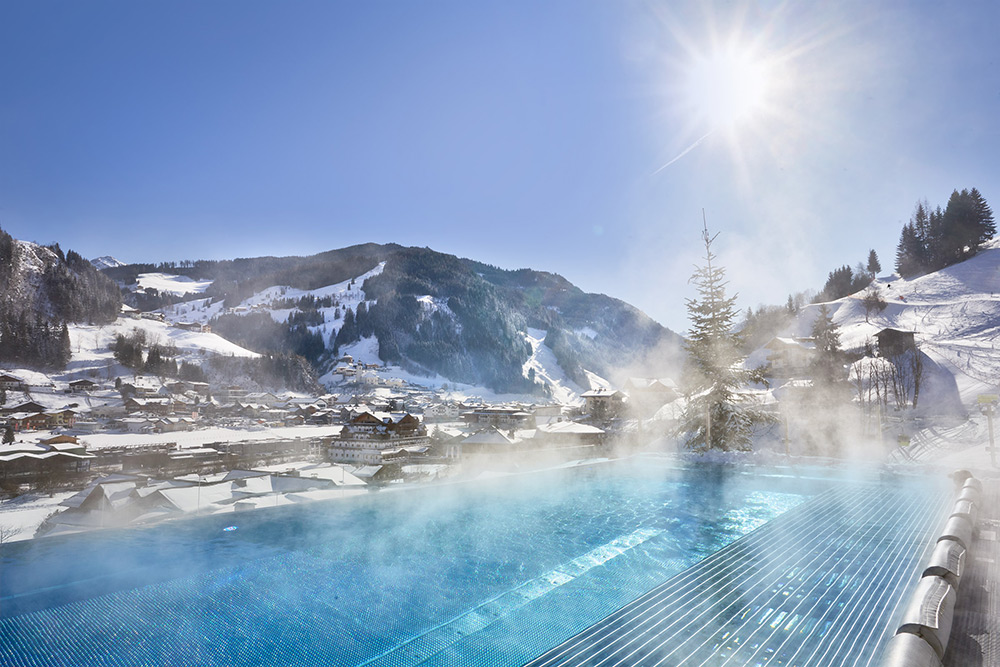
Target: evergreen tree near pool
x,y
718,414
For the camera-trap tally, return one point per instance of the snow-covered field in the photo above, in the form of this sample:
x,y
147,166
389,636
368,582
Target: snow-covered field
x,y
92,355
167,283
21,517
202,437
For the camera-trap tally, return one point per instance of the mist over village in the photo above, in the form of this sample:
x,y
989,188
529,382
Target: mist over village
x,y
515,350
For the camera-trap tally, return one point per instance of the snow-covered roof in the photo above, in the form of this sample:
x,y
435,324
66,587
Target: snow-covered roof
x,y
489,436
568,427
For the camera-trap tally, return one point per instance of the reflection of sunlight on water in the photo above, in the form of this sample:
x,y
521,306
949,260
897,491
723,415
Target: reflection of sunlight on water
x,y
761,507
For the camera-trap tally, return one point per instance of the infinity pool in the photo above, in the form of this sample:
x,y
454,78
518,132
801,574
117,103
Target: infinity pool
x,y
493,572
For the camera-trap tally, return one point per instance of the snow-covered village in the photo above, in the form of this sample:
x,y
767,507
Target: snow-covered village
x,y
102,444
456,334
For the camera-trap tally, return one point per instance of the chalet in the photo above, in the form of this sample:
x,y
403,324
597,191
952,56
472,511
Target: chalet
x,y
138,424
230,393
263,398
603,403
142,387
157,406
490,440
61,454
78,386
293,420
65,418
500,417
11,382
188,386
647,395
789,357
442,411
569,434
892,342
108,411
29,406
28,421
373,438
171,424
61,439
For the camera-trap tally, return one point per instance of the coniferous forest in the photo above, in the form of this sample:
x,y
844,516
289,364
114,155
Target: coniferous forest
x,y
936,238
33,320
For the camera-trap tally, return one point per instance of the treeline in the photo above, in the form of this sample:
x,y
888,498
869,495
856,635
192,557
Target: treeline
x,y
142,355
262,334
845,280
34,343
934,239
268,372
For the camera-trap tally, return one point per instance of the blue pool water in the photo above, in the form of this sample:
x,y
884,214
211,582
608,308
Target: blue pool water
x,y
493,572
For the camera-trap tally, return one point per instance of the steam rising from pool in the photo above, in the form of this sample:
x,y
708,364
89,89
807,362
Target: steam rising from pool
x,y
498,569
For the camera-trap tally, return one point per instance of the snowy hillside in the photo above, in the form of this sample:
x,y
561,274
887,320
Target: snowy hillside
x,y
348,294
91,345
275,301
954,312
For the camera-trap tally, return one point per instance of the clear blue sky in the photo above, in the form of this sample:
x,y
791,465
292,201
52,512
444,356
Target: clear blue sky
x,y
519,133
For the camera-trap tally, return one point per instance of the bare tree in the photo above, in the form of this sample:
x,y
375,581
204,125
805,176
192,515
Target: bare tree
x,y
872,301
907,370
7,533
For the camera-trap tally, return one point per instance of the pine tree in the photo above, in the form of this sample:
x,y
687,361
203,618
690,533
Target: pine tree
x,y
717,415
348,332
874,266
908,263
985,226
826,337
8,434
65,348
839,283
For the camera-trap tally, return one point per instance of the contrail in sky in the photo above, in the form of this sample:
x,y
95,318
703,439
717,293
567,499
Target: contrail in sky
x,y
683,153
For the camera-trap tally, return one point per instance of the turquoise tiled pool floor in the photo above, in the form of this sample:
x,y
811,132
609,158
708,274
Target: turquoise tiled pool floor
x,y
818,586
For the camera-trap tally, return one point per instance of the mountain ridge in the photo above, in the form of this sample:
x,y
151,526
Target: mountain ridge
x,y
431,312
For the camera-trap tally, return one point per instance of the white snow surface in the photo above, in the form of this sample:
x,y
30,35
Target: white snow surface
x,y
202,437
549,372
167,283
90,344
106,262
20,517
954,312
269,300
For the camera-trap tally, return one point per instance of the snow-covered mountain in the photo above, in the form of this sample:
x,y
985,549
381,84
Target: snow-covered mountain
x,y
432,315
106,262
276,302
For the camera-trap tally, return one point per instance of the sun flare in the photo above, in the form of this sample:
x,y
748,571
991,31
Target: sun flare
x,y
727,87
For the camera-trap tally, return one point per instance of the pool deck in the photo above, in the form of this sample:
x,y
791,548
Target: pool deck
x,y
975,633
819,586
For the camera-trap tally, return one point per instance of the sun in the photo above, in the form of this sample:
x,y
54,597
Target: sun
x,y
727,86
